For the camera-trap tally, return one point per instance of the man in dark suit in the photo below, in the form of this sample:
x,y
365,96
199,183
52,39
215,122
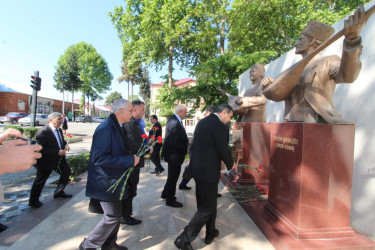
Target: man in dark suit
x,y
209,148
183,184
109,159
134,131
155,156
174,150
53,158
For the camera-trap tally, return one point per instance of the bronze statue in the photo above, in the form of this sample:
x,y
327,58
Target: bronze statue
x,y
252,106
308,86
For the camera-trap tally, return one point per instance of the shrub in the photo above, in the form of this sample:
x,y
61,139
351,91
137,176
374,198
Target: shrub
x,y
30,132
14,127
78,164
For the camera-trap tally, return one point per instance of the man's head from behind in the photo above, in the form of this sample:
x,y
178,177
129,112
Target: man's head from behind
x,y
122,110
209,110
55,119
225,113
181,111
138,109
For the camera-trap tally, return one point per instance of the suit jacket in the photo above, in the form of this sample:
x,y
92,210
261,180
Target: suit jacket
x,y
175,142
156,134
135,141
209,148
109,159
50,158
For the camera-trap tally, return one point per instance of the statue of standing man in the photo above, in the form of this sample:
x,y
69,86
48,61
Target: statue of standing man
x,y
252,106
309,96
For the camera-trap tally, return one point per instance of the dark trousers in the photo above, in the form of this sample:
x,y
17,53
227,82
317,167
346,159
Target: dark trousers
x,y
127,207
206,195
42,176
105,232
184,182
174,170
155,158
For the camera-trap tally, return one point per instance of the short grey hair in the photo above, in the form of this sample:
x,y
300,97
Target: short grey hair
x,y
119,104
180,107
54,115
224,107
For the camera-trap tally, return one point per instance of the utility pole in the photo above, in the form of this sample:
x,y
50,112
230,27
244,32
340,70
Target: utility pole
x,y
36,83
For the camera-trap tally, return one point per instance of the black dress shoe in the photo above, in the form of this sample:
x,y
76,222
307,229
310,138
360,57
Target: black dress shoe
x,y
219,195
62,194
3,227
163,196
114,246
154,172
174,203
208,240
36,204
184,188
131,221
181,244
159,172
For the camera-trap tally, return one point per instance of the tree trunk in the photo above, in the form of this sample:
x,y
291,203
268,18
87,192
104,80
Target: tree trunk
x,y
222,36
88,105
170,66
63,107
73,116
128,90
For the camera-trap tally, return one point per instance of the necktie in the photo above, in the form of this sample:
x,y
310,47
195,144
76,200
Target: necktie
x,y
61,142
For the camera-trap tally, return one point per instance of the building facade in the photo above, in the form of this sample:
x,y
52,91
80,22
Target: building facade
x,y
193,116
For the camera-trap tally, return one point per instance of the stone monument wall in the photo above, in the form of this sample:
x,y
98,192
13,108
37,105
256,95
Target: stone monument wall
x,y
356,102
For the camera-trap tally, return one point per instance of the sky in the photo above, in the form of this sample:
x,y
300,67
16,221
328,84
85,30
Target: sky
x,y
34,34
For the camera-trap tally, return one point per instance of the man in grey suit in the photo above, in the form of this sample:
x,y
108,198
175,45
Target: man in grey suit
x,y
210,147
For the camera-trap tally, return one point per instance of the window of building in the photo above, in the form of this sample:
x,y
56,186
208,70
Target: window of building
x,y
21,105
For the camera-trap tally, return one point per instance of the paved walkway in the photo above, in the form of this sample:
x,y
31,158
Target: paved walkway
x,y
62,224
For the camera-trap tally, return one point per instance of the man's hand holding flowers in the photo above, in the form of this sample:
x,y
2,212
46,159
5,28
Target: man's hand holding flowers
x,y
62,152
142,150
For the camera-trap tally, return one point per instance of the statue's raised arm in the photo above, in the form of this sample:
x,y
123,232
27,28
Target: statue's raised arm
x,y
308,86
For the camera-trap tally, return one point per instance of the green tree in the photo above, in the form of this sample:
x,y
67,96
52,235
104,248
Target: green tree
x,y
82,68
152,32
113,96
95,74
67,75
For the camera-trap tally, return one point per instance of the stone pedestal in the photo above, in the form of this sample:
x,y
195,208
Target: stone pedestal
x,y
256,153
311,178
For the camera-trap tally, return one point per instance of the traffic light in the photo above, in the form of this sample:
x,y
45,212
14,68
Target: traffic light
x,y
33,82
36,83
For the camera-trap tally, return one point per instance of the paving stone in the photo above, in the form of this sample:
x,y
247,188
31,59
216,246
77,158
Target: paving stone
x,y
12,213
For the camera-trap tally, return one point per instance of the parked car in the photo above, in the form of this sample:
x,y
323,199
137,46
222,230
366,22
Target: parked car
x,y
84,118
99,119
2,119
40,119
13,117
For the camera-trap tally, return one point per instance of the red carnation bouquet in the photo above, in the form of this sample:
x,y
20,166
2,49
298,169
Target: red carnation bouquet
x,y
141,151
